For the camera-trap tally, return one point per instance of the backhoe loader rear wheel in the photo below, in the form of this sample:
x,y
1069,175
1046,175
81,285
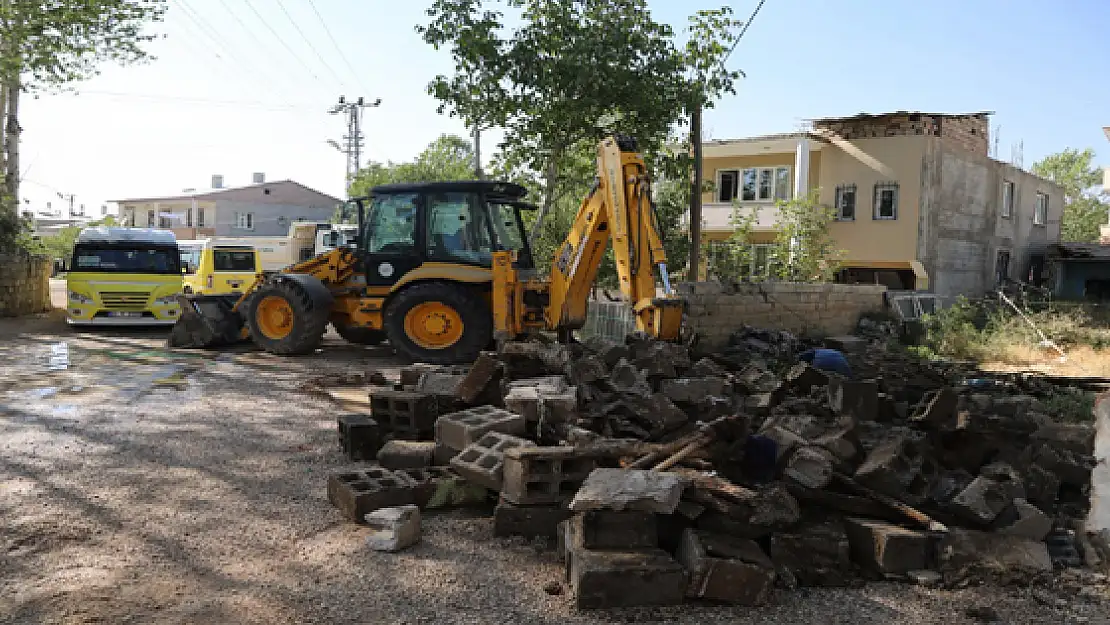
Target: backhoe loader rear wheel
x,y
359,335
439,323
284,319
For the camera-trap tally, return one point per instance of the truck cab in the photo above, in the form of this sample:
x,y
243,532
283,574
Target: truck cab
x,y
124,276
216,268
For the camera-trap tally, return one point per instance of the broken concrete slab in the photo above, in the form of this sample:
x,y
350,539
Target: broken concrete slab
x,y
1029,523
938,409
627,378
610,352
886,548
1098,519
812,467
857,399
616,529
482,378
965,554
817,555
510,519
629,489
982,501
726,569
692,390
393,529
1077,438
401,454
626,578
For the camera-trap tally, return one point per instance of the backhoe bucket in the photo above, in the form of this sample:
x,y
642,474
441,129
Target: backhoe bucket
x,y
207,321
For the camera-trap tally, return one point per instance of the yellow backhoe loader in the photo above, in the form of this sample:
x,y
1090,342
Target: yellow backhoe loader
x,y
441,269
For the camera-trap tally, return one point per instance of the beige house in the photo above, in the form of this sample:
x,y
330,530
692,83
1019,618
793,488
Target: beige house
x,y
919,203
264,209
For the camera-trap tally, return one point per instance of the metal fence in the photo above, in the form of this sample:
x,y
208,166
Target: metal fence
x,y
611,320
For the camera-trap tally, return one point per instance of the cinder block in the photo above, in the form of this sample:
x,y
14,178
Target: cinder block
x,y
510,519
616,579
400,454
724,568
443,455
544,475
405,413
886,548
459,430
616,529
483,461
359,437
357,492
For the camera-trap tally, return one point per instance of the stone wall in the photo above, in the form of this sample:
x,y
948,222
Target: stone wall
x,y
716,310
24,284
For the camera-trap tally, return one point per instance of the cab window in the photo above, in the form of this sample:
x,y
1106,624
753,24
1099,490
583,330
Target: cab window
x,y
458,228
190,259
391,225
241,261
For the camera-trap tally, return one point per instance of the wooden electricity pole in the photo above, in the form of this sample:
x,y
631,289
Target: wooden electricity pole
x,y
693,272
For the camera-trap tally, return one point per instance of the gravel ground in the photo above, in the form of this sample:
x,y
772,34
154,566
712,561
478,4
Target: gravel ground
x,y
142,486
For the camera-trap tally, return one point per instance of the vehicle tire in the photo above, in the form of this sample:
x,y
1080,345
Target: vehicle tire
x,y
284,318
439,323
359,335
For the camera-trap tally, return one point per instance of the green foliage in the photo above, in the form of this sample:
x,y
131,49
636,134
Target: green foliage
x,y
1070,405
449,157
1085,207
571,72
63,41
61,245
803,249
954,331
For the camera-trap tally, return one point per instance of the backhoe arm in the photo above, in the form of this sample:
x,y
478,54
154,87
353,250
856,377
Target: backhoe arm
x,y
620,208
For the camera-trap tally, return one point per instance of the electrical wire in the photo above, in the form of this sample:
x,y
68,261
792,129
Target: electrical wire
x,y
279,39
340,81
206,29
335,43
195,101
743,30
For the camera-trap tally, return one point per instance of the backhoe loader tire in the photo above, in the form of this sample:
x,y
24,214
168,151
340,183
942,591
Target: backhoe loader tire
x,y
284,318
359,335
467,331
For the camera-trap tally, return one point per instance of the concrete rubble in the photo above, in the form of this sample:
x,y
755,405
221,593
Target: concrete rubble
x,y
670,475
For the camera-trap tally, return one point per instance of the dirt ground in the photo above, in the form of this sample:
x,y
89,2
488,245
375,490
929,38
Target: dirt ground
x,y
144,486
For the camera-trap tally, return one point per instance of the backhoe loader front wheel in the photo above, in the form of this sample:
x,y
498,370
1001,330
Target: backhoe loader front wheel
x,y
439,323
284,318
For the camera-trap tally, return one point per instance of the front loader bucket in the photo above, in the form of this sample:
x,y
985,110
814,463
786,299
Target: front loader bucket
x,y
207,321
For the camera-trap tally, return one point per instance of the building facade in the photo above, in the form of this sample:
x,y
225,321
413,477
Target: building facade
x,y
263,209
919,203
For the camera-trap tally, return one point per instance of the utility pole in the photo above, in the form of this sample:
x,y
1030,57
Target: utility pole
x,y
478,153
352,141
693,273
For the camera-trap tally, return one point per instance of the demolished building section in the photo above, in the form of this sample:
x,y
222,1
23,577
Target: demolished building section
x,y
668,475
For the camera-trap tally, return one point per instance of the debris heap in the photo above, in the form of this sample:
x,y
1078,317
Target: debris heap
x,y
669,474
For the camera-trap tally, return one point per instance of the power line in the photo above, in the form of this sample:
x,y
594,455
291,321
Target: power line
x,y
743,30
279,39
247,29
211,33
339,80
334,43
194,100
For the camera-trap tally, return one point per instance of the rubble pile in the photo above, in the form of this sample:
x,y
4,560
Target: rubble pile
x,y
668,474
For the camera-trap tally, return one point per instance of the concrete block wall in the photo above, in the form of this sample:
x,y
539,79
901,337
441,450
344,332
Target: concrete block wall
x,y
968,132
24,284
715,310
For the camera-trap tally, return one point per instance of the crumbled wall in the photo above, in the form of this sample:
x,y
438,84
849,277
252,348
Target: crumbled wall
x,y
24,284
969,132
715,311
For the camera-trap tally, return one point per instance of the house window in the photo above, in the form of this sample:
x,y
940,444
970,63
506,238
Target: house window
x,y
1040,213
1002,267
163,222
150,219
886,200
244,221
844,200
200,216
1007,198
754,184
189,217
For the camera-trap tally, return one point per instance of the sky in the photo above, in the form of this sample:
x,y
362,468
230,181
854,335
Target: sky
x,y
242,86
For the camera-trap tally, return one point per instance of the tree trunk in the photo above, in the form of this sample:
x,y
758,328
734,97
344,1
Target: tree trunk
x,y
551,177
11,139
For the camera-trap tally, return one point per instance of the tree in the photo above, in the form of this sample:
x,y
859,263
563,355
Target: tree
x,y
573,71
49,44
803,249
1085,206
449,157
